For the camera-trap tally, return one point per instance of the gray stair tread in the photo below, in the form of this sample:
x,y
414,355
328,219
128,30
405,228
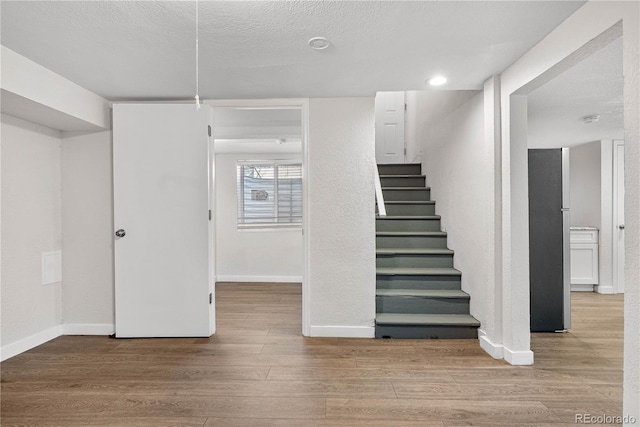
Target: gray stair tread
x,y
406,188
402,217
424,293
411,233
401,176
413,251
426,319
406,271
410,202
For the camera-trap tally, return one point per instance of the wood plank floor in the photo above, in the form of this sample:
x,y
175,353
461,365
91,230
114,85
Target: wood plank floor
x,y
259,371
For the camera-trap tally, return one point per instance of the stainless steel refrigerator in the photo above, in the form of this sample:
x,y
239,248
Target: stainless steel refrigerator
x,y
549,250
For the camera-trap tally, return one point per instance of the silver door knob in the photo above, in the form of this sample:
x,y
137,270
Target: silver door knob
x,y
621,226
121,233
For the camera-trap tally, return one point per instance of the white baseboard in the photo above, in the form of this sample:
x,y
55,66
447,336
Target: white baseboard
x,y
254,279
604,289
30,342
342,331
494,350
20,346
88,328
518,357
578,287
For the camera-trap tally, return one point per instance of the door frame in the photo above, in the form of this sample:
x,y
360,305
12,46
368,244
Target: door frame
x,y
618,282
303,105
211,158
516,83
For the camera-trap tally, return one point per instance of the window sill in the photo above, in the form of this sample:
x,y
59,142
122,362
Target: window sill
x,y
269,228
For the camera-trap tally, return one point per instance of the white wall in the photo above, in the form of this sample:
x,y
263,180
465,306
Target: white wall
x,y
584,184
341,217
266,255
31,224
592,200
457,163
87,221
425,107
32,210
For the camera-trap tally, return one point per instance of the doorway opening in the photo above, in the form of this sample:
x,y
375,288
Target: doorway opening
x,y
521,113
258,157
582,110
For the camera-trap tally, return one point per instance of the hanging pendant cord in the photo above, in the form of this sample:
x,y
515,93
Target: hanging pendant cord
x,y
197,97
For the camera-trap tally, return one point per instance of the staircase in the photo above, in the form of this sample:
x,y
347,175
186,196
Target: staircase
x,y
418,292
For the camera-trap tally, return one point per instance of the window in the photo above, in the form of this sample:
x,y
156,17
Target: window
x,y
269,194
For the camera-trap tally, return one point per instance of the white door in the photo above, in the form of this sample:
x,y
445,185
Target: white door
x,y
618,216
389,127
161,212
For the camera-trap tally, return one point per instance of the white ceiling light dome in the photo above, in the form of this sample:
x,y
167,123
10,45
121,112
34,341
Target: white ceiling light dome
x,y
437,80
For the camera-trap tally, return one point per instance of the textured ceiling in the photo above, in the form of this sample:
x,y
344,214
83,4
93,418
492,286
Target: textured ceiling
x,y
145,50
593,86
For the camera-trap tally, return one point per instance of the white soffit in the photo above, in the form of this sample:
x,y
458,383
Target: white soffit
x,y
257,146
257,130
593,86
27,109
138,50
34,93
257,117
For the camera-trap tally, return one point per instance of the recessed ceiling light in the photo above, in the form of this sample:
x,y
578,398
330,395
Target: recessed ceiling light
x,y
437,80
591,119
318,43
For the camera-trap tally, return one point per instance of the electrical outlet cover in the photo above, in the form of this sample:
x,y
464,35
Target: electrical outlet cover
x,y
51,267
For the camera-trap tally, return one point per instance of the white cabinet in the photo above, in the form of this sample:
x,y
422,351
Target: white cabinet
x,y
584,258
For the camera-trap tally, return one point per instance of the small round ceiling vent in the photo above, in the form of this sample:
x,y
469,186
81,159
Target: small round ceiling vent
x,y
318,43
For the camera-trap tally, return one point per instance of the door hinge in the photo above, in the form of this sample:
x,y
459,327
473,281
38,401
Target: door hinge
x,y
405,107
210,298
209,214
209,130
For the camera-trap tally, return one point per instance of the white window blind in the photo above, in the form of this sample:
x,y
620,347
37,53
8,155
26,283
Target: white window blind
x,y
269,194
